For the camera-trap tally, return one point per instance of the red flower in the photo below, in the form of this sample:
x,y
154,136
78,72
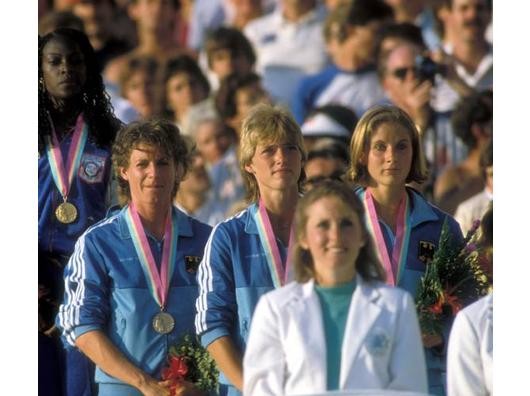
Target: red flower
x,y
176,372
437,308
177,369
453,303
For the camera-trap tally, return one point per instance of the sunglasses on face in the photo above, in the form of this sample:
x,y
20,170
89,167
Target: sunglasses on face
x,y
401,72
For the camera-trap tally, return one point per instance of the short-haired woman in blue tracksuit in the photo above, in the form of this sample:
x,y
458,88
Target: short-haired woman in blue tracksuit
x,y
245,255
386,156
130,284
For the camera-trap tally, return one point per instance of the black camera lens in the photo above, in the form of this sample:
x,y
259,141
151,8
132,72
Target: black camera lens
x,y
427,68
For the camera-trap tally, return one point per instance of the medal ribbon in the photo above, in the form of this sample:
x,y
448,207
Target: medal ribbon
x,y
280,273
395,264
158,281
64,175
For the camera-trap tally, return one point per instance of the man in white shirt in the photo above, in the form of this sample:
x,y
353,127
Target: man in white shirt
x,y
464,24
289,45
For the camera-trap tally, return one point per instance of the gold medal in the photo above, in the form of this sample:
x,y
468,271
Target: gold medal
x,y
163,323
66,213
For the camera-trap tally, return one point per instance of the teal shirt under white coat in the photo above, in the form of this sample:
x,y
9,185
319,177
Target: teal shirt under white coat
x,y
335,303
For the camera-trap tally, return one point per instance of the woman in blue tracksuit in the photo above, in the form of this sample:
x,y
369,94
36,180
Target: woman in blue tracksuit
x,y
75,131
246,255
71,99
386,155
130,284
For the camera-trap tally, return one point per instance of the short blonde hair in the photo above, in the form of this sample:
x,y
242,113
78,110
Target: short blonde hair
x,y
367,263
367,126
267,124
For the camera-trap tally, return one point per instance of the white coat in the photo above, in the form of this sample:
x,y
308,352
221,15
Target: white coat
x,y
470,351
381,349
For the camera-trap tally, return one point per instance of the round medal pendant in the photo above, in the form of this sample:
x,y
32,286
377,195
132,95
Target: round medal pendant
x,y
66,213
163,323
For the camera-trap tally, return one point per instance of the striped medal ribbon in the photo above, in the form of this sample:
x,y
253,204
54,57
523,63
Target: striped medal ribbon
x,y
63,174
395,264
280,272
157,281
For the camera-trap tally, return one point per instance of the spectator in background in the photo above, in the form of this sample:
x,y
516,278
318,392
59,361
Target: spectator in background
x,y
288,45
392,35
330,122
418,12
138,84
183,85
475,207
327,160
351,80
53,20
217,144
208,15
227,51
410,81
472,122
464,23
99,19
155,22
236,96
213,138
195,196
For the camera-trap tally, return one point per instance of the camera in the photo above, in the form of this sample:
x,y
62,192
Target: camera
x,y
428,69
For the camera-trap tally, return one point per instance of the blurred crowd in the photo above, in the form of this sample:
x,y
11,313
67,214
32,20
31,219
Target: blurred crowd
x,y
203,64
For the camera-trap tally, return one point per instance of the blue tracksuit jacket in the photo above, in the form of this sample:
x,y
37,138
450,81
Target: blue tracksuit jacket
x,y
106,289
87,193
427,221
232,276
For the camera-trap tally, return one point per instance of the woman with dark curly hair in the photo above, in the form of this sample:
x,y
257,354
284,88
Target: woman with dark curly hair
x,y
76,129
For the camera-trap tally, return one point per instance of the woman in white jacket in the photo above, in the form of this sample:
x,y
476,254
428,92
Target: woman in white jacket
x,y
338,326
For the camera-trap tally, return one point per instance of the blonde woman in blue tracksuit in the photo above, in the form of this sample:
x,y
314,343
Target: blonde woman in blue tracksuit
x,y
386,155
237,268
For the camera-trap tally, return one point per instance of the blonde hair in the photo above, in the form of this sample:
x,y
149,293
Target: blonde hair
x,y
266,124
362,135
367,263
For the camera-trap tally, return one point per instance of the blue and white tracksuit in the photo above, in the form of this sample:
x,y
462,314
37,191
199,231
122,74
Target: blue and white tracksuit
x,y
232,276
426,226
87,193
106,289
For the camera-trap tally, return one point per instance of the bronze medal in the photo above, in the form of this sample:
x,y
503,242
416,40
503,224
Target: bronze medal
x,y
66,213
163,323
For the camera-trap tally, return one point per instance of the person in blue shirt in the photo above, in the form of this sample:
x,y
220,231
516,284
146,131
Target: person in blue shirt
x,y
386,158
338,327
246,255
76,128
130,283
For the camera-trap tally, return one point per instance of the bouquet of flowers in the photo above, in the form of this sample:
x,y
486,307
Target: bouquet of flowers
x,y
189,361
453,279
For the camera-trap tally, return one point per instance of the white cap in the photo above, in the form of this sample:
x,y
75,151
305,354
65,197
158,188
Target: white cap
x,y
322,124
